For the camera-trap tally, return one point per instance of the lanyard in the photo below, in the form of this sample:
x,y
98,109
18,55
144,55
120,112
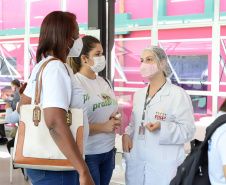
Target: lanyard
x,y
147,102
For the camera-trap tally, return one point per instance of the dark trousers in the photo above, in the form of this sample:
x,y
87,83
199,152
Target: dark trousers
x,y
2,129
10,144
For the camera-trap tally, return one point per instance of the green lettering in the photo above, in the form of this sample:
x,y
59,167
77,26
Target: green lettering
x,y
103,104
85,97
94,107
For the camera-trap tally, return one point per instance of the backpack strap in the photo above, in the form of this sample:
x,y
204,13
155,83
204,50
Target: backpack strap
x,y
211,129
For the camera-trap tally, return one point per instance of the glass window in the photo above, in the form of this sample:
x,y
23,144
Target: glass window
x,y
202,106
127,77
32,52
185,7
80,9
4,90
12,14
222,69
220,101
185,33
125,106
222,6
190,63
222,10
145,9
39,9
185,11
127,59
11,60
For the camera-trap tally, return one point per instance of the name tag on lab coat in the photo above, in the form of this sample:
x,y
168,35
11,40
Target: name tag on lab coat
x,y
141,135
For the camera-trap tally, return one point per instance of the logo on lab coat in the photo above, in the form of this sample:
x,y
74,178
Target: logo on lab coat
x,y
160,114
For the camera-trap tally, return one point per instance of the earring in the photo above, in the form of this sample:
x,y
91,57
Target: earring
x,y
85,61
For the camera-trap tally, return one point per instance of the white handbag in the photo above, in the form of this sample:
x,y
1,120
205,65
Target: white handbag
x,y
34,147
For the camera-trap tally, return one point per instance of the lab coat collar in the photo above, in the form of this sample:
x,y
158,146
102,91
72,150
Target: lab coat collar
x,y
163,92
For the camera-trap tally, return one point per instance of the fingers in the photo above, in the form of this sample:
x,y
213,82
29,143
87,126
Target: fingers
x,y
152,127
130,145
149,126
126,148
117,124
113,115
120,118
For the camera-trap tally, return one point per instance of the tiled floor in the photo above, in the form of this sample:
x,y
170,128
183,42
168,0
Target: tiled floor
x,y
18,178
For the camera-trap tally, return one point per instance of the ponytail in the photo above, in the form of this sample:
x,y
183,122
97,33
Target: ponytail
x,y
74,66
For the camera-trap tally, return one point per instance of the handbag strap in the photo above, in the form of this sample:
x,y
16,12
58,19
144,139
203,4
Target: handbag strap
x,y
38,87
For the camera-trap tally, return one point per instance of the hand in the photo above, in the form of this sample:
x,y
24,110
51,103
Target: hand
x,y
113,115
126,143
116,118
7,105
110,126
4,97
86,179
152,127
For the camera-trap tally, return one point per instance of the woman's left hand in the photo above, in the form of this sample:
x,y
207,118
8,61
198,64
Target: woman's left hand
x,y
152,127
7,105
115,118
4,97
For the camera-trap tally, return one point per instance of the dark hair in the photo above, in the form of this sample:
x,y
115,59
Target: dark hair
x,y
22,88
223,106
56,30
16,82
89,43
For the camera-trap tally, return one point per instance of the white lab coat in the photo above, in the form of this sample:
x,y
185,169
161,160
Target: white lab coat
x,y
154,161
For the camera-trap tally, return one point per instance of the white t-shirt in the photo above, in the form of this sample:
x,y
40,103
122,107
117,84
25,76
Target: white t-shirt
x,y
101,106
58,89
217,155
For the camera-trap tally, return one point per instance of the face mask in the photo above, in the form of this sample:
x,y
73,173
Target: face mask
x,y
76,48
99,64
148,70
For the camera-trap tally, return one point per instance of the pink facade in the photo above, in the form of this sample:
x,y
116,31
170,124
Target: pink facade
x,y
145,9
223,6
177,7
128,51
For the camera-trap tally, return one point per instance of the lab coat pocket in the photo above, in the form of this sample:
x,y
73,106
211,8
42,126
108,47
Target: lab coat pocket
x,y
170,168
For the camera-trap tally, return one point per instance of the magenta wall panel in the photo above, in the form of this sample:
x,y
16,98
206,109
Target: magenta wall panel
x,y
223,5
79,8
178,7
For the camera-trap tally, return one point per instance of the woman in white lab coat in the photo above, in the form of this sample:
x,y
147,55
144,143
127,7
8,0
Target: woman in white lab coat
x,y
162,121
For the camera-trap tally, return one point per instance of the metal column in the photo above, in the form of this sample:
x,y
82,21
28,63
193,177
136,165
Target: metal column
x,y
97,20
111,40
100,18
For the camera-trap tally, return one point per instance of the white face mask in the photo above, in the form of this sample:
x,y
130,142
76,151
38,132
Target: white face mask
x,y
76,48
99,64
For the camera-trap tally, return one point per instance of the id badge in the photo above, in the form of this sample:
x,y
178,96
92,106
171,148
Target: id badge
x,y
141,133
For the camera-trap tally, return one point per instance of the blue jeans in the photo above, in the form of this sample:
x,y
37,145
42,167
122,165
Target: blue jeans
x,y
44,177
101,167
